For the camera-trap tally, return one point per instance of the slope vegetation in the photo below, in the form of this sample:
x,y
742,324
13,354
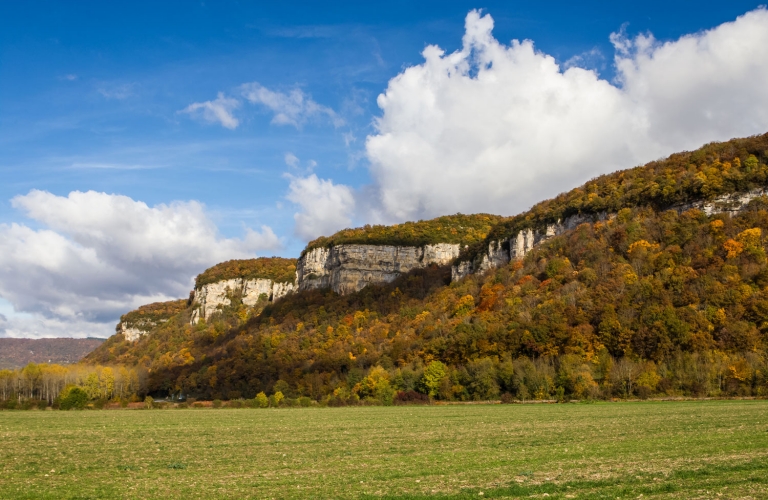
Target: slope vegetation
x,y
459,228
659,299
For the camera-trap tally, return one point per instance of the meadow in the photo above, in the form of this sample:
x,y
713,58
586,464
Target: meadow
x,y
691,449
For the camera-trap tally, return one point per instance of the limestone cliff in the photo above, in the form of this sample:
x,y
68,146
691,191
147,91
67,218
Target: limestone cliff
x,y
349,268
501,252
212,297
139,322
248,279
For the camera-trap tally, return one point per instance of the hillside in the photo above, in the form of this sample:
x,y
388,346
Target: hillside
x,y
15,353
658,298
716,169
460,229
277,269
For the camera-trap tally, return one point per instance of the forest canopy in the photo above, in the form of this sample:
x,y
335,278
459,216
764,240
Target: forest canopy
x,y
152,314
738,165
459,228
277,269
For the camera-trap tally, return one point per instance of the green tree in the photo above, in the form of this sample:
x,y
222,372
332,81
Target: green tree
x,y
433,375
73,398
278,396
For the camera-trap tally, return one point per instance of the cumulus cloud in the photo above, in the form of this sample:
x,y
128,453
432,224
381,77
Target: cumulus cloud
x,y
96,255
219,110
495,127
325,207
293,108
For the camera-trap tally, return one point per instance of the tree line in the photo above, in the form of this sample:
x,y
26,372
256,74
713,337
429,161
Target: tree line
x,y
45,384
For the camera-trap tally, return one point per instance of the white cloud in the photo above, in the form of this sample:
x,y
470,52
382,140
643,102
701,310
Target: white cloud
x,y
291,160
99,255
496,127
326,207
292,108
119,92
219,110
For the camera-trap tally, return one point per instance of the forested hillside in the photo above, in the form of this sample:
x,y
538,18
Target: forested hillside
x,y
657,299
735,166
462,229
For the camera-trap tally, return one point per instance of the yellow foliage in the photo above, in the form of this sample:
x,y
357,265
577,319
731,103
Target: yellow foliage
x,y
733,248
464,306
641,245
750,238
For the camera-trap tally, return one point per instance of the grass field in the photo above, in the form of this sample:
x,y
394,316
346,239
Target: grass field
x,y
706,449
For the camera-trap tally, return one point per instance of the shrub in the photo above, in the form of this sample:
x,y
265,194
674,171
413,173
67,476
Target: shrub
x,y
42,404
217,403
276,398
305,401
261,400
149,402
73,398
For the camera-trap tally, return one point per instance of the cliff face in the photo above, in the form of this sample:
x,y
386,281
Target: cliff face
x,y
349,268
139,322
132,333
211,297
502,252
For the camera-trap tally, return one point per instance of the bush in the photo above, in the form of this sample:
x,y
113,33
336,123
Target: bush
x,y
11,404
149,402
73,398
42,404
217,403
305,401
28,404
507,398
262,401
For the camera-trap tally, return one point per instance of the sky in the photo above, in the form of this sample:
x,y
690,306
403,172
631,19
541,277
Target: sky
x,y
142,142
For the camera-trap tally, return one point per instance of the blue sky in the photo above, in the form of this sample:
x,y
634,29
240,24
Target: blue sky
x,y
100,96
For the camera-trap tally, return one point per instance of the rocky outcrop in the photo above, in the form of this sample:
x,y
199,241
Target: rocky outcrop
x,y
349,268
212,297
500,253
731,203
132,333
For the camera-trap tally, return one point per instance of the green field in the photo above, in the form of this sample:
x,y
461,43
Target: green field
x,y
703,449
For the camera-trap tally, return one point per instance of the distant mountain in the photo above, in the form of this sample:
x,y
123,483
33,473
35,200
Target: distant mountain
x,y
15,353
